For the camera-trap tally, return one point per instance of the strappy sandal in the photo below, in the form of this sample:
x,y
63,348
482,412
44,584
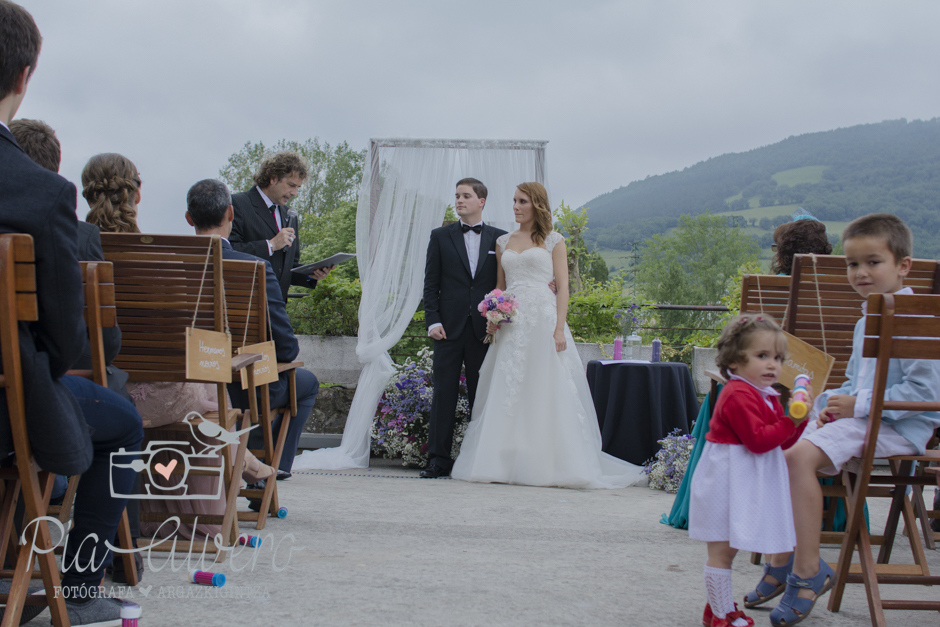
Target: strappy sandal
x,y
765,590
792,608
709,620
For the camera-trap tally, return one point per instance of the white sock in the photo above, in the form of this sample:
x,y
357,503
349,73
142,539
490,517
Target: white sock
x,y
720,594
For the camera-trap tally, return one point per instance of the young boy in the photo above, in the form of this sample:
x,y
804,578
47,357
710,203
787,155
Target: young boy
x,y
878,257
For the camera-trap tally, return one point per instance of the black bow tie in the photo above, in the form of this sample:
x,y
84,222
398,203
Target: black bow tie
x,y
476,229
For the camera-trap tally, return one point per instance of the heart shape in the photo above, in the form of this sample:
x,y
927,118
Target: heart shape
x,y
167,469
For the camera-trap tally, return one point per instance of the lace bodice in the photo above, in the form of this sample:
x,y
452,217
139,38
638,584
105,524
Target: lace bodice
x,y
532,267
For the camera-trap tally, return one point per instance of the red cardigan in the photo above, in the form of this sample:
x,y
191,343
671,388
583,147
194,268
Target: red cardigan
x,y
742,417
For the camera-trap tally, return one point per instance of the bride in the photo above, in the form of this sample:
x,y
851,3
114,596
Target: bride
x,y
533,422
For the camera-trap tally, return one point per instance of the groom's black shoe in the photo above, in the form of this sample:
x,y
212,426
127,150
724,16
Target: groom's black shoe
x,y
433,472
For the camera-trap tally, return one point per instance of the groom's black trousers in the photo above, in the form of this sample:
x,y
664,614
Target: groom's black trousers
x,y
449,355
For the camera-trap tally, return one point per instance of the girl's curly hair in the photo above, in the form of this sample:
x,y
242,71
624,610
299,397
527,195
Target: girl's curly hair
x,y
736,338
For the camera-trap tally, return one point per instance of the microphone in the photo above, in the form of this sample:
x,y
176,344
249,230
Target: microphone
x,y
292,222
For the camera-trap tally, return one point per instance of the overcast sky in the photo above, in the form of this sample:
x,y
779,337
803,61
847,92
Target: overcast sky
x,y
621,89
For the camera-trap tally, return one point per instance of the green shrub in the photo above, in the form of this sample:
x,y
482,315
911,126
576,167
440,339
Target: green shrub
x,y
331,309
592,312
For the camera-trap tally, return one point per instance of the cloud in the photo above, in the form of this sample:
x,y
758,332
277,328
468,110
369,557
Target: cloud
x,y
621,89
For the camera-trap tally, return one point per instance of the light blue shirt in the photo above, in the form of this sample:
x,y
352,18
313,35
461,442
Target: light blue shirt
x,y
908,380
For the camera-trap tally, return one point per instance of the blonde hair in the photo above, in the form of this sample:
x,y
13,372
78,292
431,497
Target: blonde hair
x,y
110,183
736,338
543,212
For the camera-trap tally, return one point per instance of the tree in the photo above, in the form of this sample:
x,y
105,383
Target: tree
x,y
694,265
573,224
333,179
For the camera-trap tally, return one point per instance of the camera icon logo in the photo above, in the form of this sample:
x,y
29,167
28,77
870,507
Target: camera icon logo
x,y
168,464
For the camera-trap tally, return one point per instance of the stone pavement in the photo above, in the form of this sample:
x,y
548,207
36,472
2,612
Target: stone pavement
x,y
382,547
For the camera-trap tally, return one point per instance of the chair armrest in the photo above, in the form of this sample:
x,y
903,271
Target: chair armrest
x,y
284,367
243,360
715,376
85,374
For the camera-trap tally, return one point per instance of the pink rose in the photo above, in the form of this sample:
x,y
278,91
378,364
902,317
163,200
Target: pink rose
x,y
504,307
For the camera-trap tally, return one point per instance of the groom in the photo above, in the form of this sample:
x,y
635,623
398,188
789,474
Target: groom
x,y
460,271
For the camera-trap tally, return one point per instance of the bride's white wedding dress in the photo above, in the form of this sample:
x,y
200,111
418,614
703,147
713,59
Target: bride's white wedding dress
x,y
533,420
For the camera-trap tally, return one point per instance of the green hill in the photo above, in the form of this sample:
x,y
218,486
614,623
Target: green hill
x,y
837,175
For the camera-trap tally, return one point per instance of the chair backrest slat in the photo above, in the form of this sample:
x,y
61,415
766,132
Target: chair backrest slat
x,y
765,294
238,286
157,281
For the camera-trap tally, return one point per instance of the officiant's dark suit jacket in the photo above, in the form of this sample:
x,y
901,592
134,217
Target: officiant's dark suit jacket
x,y
451,295
254,226
41,203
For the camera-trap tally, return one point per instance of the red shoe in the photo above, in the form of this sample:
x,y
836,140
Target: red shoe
x,y
710,620
707,617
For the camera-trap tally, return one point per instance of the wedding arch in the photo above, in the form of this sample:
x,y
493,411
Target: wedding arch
x,y
406,187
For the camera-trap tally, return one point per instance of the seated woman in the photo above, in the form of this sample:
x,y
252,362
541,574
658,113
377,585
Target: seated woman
x,y
111,185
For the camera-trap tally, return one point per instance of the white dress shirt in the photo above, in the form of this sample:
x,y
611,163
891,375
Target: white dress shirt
x,y
471,240
277,216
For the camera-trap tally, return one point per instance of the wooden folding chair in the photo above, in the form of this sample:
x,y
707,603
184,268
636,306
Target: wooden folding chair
x,y
246,296
162,284
18,304
896,327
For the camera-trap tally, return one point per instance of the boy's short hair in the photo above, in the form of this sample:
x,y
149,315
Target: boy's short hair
x,y
478,187
38,141
736,337
896,234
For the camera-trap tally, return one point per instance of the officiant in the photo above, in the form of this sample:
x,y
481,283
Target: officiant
x,y
266,227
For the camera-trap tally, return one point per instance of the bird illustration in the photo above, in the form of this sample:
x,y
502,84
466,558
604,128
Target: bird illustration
x,y
210,429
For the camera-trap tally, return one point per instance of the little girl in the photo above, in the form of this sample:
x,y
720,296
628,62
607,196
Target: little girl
x,y
740,490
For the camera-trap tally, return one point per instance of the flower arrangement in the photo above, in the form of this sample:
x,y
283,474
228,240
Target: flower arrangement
x,y
400,428
632,319
497,307
668,467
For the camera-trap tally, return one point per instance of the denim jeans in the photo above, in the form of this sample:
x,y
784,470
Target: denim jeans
x,y
307,389
115,424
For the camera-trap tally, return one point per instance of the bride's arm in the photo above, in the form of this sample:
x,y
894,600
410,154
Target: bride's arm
x,y
560,266
500,275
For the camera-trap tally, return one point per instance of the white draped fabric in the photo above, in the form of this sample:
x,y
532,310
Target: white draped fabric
x,y
406,187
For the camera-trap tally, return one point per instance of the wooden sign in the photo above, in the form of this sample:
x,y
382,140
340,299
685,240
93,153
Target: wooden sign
x,y
266,369
208,355
802,358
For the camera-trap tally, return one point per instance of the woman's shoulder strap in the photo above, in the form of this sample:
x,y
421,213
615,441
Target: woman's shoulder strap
x,y
502,240
553,238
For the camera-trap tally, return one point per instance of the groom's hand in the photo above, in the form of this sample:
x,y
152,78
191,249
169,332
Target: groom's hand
x,y
437,333
553,287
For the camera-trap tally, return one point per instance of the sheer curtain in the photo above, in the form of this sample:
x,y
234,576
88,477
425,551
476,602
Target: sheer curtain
x,y
406,187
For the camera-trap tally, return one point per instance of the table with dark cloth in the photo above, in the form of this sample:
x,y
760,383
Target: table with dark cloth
x,y
640,403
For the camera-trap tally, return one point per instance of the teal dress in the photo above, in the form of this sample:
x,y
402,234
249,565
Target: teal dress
x,y
679,516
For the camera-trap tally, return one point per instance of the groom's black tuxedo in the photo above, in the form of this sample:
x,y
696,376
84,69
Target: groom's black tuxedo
x,y
253,226
451,296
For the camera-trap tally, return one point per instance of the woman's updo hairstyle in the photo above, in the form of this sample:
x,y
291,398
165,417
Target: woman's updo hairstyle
x,y
110,183
736,338
543,212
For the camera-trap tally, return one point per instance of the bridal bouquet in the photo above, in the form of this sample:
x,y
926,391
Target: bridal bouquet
x,y
497,307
